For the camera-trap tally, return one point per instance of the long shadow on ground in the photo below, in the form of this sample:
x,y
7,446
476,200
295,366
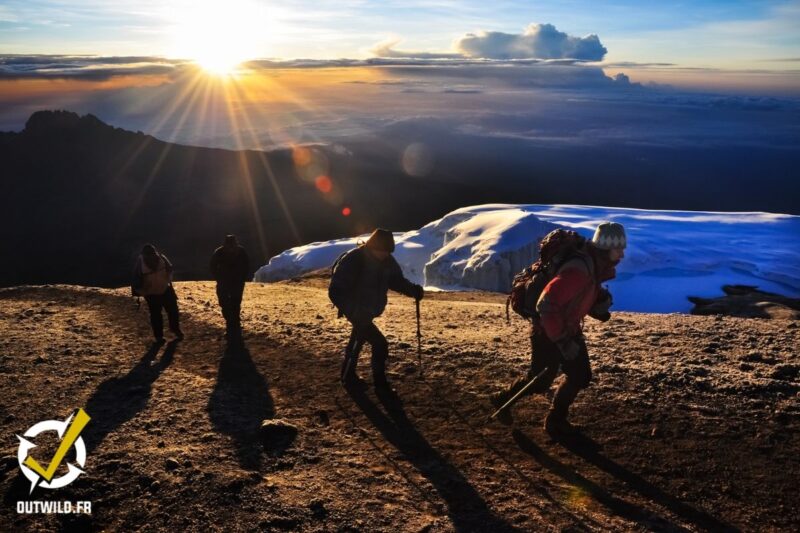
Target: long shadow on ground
x,y
587,449
466,508
115,401
119,399
239,403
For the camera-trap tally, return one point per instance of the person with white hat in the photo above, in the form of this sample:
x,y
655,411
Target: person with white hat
x,y
556,335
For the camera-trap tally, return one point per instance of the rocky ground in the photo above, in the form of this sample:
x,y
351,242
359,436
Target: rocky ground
x,y
691,423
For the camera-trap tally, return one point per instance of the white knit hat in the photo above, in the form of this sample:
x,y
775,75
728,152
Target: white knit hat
x,y
609,235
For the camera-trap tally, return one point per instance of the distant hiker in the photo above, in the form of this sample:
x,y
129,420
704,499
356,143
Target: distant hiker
x,y
574,291
230,267
361,278
152,278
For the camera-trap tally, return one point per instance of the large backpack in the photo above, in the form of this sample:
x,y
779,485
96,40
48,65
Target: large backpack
x,y
335,267
555,249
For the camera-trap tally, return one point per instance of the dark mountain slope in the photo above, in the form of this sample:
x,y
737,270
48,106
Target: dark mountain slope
x,y
80,197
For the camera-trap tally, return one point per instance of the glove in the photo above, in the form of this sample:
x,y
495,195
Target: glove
x,y
600,309
569,348
418,292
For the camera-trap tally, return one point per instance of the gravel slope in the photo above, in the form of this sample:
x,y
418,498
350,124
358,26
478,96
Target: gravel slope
x,y
691,423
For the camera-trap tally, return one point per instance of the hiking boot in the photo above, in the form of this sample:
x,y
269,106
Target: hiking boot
x,y
556,424
498,400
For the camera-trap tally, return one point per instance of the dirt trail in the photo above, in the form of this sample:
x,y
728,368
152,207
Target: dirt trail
x,y
691,423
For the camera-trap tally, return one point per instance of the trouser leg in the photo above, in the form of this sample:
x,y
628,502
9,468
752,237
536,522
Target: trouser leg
x,y
230,300
223,301
544,368
351,353
154,305
236,305
578,374
171,306
370,333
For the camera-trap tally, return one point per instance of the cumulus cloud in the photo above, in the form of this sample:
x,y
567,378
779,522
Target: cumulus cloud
x,y
541,41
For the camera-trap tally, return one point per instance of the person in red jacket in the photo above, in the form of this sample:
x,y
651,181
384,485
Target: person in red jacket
x,y
556,338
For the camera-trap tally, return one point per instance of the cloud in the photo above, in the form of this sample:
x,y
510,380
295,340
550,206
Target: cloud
x,y
634,64
386,49
540,41
94,68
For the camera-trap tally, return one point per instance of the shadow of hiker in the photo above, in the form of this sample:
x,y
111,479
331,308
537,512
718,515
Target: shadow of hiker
x,y
239,403
119,399
115,401
466,508
587,449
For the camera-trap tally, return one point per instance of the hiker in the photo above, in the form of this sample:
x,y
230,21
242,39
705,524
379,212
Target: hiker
x,y
152,278
361,278
573,292
230,267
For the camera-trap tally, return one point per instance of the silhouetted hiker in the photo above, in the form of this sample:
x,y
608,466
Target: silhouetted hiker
x,y
361,278
152,278
556,326
229,267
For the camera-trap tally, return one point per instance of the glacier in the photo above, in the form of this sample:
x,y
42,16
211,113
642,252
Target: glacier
x,y
670,254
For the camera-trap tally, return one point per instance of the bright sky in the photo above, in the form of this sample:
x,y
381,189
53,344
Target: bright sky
x,y
728,34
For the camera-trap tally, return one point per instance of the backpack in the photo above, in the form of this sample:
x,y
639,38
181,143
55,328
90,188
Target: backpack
x,y
335,264
555,250
335,267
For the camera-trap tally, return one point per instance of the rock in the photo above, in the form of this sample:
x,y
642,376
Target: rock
x,y
277,429
747,302
323,417
8,463
171,464
786,372
318,510
753,357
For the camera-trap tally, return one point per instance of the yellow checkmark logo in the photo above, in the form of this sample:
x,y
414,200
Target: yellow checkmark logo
x,y
72,433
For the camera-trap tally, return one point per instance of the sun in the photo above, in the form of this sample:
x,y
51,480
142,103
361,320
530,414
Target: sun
x,y
219,36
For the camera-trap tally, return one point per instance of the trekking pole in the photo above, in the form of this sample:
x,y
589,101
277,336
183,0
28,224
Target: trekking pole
x,y
513,399
419,343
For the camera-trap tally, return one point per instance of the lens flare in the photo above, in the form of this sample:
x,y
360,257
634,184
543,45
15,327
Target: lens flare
x,y
323,184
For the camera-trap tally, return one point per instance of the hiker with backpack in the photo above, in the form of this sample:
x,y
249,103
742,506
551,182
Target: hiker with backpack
x,y
556,293
152,278
230,267
359,283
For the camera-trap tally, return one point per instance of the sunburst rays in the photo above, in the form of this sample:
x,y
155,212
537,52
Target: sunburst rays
x,y
240,105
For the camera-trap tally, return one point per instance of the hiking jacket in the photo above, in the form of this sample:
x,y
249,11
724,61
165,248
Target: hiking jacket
x,y
568,298
230,265
152,282
360,282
